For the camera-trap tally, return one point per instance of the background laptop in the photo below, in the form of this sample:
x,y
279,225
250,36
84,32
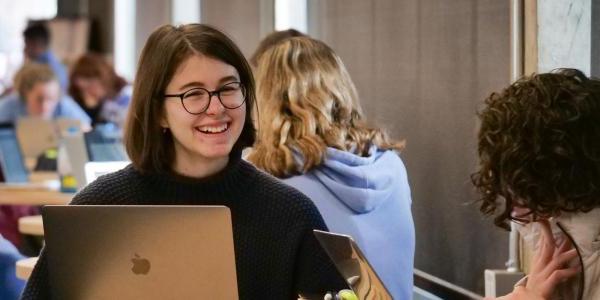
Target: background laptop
x,y
37,135
93,170
12,164
140,252
106,151
104,146
352,264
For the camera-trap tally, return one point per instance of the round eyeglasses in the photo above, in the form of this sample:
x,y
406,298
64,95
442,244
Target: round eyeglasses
x,y
197,100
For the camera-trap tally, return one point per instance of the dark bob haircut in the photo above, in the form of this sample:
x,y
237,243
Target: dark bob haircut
x,y
539,146
37,31
151,150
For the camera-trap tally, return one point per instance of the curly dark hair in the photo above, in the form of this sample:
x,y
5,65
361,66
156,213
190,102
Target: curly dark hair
x,y
539,146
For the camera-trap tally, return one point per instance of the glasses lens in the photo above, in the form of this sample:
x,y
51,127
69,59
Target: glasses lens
x,y
232,95
196,100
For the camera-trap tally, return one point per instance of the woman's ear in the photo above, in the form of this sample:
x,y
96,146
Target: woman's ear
x,y
163,122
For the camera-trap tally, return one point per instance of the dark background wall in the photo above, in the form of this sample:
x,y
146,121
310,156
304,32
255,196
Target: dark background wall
x,y
422,69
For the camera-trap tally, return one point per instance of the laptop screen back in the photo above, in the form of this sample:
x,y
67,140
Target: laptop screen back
x,y
140,252
104,147
36,135
352,264
12,166
95,169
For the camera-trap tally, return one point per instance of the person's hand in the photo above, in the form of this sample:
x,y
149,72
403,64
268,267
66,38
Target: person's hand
x,y
550,264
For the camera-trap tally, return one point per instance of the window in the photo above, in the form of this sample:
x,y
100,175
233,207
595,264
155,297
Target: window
x,y
291,14
12,23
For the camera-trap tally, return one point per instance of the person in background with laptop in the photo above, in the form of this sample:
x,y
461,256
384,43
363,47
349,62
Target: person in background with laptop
x,y
102,94
37,49
313,135
38,95
190,119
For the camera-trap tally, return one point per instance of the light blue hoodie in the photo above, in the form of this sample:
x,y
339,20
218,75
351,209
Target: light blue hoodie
x,y
369,199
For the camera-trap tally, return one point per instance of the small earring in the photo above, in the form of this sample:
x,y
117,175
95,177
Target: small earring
x,y
164,130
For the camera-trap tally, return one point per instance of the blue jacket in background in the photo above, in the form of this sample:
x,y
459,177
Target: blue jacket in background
x,y
57,67
13,108
369,199
10,286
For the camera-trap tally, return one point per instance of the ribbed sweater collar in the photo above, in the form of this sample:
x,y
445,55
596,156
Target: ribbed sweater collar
x,y
229,183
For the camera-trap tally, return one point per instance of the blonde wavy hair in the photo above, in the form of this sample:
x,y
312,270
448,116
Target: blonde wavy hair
x,y
31,74
306,103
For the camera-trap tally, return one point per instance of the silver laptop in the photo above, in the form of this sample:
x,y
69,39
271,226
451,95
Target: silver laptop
x,y
93,154
95,169
77,156
37,135
140,252
352,264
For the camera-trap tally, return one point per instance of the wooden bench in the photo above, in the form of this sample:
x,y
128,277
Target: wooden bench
x,y
32,225
25,267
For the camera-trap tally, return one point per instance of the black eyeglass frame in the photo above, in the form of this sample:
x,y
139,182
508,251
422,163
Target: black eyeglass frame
x,y
210,95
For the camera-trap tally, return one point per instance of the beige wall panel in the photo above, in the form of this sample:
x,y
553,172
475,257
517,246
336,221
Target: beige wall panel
x,y
422,69
150,14
240,19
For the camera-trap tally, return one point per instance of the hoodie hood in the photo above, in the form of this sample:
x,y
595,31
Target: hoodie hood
x,y
361,183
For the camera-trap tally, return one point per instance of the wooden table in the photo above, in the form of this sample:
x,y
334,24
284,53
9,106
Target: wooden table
x,y
25,267
43,188
32,225
32,194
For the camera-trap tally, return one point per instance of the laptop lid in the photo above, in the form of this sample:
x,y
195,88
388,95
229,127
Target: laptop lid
x,y
140,252
77,156
93,170
352,264
12,164
102,146
36,135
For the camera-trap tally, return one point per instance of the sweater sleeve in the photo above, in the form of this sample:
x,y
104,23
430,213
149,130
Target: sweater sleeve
x,y
38,286
315,273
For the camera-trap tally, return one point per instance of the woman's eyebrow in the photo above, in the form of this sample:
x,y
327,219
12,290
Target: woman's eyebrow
x,y
223,80
227,79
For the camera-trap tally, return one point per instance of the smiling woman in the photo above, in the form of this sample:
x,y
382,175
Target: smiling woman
x,y
187,126
204,131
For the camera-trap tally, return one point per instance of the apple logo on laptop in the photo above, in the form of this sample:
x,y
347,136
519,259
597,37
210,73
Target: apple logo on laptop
x,y
140,265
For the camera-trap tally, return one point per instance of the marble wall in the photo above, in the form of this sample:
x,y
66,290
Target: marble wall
x,y
564,34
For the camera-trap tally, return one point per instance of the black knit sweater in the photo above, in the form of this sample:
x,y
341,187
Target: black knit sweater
x,y
277,256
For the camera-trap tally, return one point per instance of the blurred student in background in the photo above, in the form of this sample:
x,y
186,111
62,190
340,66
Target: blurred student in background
x,y
313,135
102,94
37,49
539,165
38,95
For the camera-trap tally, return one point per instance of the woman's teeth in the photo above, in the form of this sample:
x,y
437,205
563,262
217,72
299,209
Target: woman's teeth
x,y
213,129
